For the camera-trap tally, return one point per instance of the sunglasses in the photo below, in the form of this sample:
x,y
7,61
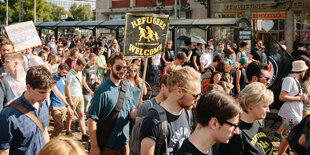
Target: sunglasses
x,y
231,124
196,96
265,78
134,70
118,67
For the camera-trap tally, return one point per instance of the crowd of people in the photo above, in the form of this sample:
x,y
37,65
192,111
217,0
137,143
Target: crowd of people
x,y
214,98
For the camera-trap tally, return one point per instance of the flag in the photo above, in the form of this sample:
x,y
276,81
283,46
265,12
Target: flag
x,y
280,65
145,35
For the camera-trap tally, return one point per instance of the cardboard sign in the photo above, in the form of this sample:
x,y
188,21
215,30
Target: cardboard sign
x,y
145,35
24,35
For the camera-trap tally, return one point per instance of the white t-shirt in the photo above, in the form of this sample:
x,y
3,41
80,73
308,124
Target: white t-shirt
x,y
291,110
156,59
14,87
76,88
206,59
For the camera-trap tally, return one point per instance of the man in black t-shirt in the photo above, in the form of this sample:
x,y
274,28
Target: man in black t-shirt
x,y
187,50
183,95
256,51
217,116
168,56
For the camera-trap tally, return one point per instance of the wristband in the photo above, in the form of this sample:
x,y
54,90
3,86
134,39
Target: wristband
x,y
308,143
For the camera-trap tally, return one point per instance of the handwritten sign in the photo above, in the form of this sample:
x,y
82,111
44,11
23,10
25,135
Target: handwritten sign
x,y
145,35
24,35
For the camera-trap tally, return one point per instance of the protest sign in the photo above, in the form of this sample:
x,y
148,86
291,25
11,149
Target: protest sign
x,y
24,35
145,35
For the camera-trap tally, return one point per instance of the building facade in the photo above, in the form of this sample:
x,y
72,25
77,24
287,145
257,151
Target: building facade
x,y
284,19
67,3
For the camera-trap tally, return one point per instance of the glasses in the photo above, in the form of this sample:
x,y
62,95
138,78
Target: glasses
x,y
169,43
118,67
134,70
196,96
260,43
231,124
264,78
208,48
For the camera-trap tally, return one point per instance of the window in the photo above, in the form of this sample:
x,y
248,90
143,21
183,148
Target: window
x,y
302,25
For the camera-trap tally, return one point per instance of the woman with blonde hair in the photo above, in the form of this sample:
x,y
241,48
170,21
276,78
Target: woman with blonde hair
x,y
62,146
254,99
114,46
136,82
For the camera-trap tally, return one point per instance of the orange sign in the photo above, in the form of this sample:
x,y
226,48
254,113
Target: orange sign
x,y
268,15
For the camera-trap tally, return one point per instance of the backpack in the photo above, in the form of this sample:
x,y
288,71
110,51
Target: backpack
x,y
294,136
134,141
206,78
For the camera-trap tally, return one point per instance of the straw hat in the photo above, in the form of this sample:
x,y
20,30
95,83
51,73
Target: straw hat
x,y
299,66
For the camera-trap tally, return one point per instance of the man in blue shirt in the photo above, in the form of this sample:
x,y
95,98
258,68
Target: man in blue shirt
x,y
104,101
19,134
58,108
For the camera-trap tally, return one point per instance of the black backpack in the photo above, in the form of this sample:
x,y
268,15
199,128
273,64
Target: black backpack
x,y
134,141
294,136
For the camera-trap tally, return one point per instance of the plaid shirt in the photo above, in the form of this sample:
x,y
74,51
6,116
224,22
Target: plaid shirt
x,y
18,132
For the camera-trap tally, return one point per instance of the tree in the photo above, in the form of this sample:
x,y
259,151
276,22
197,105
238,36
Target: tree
x,y
81,12
44,11
57,11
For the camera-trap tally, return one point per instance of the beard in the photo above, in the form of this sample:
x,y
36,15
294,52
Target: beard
x,y
117,77
184,104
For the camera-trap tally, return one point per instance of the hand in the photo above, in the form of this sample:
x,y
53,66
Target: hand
x,y
70,111
70,103
94,150
92,93
304,97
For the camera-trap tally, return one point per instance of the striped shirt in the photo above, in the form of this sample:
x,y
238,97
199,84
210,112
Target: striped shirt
x,y
19,133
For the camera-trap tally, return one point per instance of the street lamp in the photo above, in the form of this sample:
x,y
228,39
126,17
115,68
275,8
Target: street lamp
x,y
34,10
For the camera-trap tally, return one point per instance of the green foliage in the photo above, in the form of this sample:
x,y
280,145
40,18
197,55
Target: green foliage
x,y
82,12
46,12
58,11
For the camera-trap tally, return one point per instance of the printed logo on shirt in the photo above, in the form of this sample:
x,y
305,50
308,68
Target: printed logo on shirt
x,y
262,140
178,137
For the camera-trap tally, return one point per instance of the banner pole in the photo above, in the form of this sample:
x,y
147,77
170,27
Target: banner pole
x,y
143,78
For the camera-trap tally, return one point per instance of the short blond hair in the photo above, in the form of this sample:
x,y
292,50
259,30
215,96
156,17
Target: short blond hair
x,y
254,94
7,42
182,77
62,146
15,56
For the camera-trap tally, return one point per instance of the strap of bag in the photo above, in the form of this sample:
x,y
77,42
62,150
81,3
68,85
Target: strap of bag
x,y
76,76
28,114
109,122
162,139
3,88
297,82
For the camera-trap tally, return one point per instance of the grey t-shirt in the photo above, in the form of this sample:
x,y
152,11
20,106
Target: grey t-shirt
x,y
144,108
14,87
90,73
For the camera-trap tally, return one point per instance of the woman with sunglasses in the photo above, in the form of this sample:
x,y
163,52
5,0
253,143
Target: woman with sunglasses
x,y
136,82
254,99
